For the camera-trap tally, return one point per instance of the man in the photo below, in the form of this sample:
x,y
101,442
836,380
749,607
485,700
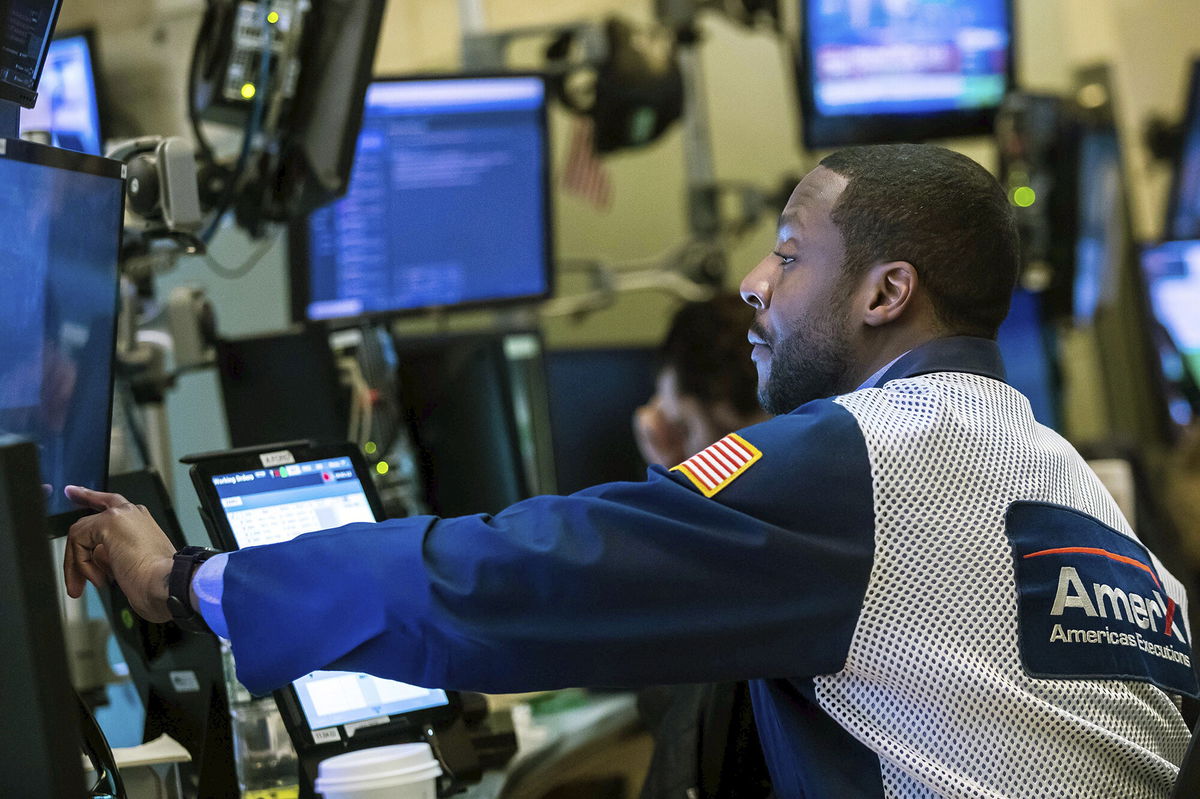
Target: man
x,y
933,594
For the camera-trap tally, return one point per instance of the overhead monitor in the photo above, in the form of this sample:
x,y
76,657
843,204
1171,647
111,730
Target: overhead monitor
x,y
60,231
448,204
1183,205
25,30
872,72
68,110
1172,278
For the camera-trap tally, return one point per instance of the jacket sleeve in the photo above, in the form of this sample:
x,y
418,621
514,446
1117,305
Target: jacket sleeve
x,y
622,584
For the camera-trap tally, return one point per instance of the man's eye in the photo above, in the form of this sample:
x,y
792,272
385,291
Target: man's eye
x,y
783,259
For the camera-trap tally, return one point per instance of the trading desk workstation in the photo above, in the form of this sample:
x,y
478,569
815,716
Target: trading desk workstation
x,y
409,202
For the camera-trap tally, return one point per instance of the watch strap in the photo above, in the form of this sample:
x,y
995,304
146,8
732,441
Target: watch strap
x,y
179,588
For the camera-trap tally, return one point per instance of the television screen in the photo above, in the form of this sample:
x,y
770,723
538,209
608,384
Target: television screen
x,y
67,110
1183,206
1172,278
902,70
60,231
448,203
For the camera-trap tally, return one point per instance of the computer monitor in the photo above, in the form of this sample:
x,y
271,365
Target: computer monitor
x,y
1183,204
261,378
1171,272
25,29
476,409
593,394
448,204
1102,236
40,735
68,108
60,231
873,72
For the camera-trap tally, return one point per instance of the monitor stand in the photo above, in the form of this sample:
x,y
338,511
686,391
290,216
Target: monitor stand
x,y
10,120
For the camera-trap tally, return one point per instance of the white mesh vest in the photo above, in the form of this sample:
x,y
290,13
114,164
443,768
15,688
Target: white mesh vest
x,y
933,682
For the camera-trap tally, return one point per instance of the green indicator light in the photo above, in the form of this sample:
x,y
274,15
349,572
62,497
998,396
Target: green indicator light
x,y
273,17
127,618
381,467
1023,196
370,447
248,91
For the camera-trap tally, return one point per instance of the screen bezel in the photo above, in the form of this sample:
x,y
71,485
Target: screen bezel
x,y
1191,120
58,158
825,131
298,238
204,467
99,96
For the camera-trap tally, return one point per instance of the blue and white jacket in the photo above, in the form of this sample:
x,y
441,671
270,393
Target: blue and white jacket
x,y
932,594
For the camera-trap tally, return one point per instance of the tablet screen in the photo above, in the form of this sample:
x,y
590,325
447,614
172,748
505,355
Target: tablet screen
x,y
269,505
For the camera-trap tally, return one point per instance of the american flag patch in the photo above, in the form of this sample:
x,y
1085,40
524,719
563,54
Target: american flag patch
x,y
719,464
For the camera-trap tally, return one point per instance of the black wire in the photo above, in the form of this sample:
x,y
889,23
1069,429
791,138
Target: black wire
x,y
99,754
203,33
244,268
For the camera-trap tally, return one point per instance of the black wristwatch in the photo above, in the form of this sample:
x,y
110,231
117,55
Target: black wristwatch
x,y
179,588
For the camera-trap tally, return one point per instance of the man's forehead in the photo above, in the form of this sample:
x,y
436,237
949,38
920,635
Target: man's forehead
x,y
816,193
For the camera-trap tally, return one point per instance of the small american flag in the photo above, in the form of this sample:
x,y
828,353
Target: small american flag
x,y
584,174
719,464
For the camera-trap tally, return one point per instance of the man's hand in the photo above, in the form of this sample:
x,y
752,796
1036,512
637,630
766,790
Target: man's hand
x,y
122,542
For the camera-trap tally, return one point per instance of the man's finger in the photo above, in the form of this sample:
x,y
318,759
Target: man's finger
x,y
96,500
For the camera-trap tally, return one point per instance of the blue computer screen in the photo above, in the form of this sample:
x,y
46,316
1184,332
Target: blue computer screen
x,y
266,506
67,110
1184,219
1172,274
446,205
1102,229
59,235
907,57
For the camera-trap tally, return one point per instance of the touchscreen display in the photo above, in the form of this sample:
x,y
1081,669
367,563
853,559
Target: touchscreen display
x,y
266,506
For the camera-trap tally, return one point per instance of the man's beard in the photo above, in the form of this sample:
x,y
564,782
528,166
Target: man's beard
x,y
810,363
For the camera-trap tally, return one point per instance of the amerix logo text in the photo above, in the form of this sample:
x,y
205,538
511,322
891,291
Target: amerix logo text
x,y
1138,614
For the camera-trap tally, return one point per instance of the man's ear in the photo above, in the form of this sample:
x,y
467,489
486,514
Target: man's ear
x,y
891,289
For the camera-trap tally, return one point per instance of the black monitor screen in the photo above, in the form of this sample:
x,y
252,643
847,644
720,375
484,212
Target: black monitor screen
x,y
25,27
593,395
883,71
67,109
1102,229
1172,275
1183,212
60,229
448,203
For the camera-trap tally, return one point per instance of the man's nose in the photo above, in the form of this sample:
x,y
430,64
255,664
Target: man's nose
x,y
756,287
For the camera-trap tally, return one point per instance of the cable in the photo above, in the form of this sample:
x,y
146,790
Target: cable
x,y
100,755
248,136
243,269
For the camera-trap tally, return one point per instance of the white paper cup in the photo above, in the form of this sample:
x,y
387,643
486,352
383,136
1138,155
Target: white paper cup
x,y
402,771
